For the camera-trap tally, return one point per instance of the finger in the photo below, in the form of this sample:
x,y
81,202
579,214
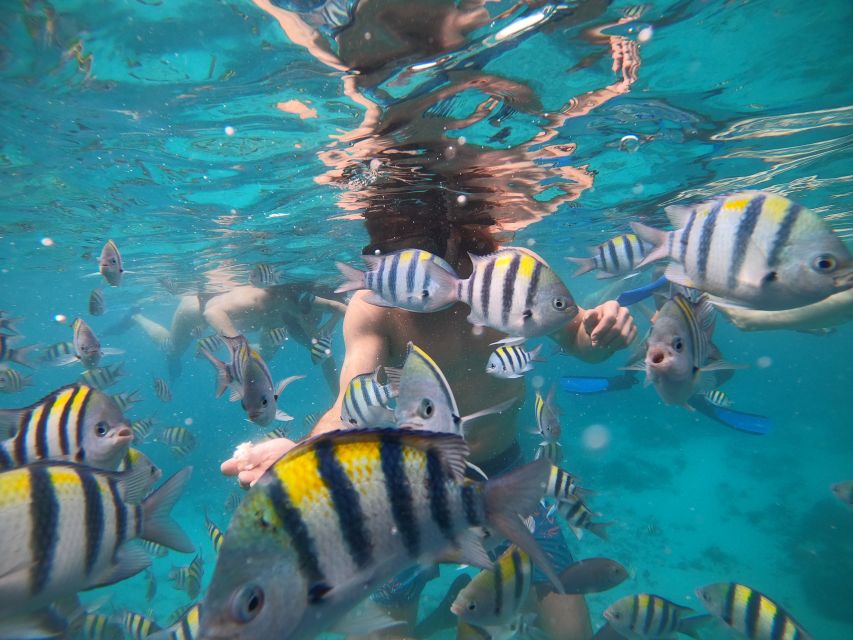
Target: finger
x,y
229,467
602,331
590,320
247,478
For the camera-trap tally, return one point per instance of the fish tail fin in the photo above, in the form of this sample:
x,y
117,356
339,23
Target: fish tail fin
x,y
10,324
656,237
157,525
515,494
585,265
535,355
599,529
354,278
690,626
20,355
223,376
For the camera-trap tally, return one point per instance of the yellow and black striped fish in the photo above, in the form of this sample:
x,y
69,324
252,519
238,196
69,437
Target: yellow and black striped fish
x,y
97,626
103,377
561,484
264,275
275,337
616,257
278,432
97,304
578,516
75,422
310,420
367,401
184,628
161,388
649,617
188,578
69,524
135,458
11,381
755,248
718,398
138,626
347,510
58,351
126,400
210,343
321,348
142,428
179,439
214,532
512,361
153,549
495,596
750,613
110,264
551,451
18,355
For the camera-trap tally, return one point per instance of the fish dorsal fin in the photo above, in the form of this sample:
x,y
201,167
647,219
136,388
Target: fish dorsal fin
x,y
678,214
373,262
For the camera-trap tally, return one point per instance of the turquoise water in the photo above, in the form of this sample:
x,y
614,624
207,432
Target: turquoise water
x,y
169,127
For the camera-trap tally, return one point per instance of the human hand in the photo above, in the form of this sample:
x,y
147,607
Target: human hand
x,y
250,461
609,326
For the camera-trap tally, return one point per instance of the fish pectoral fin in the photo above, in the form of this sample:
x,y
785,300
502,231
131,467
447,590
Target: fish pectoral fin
x,y
675,273
637,366
283,384
281,416
377,301
472,552
510,341
722,365
236,394
130,560
66,360
110,351
365,619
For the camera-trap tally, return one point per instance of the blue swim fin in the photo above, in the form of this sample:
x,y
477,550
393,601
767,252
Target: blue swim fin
x,y
747,422
591,384
633,296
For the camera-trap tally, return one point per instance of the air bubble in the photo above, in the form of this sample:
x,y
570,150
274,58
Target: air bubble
x,y
462,200
595,437
629,143
60,317
47,242
764,362
645,34
229,131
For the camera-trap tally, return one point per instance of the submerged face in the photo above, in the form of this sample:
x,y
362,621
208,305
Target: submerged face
x,y
106,433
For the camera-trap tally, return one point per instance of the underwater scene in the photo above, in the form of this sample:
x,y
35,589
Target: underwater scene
x,y
426,319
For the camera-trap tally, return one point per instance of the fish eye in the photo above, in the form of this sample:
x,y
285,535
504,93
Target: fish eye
x,y
472,606
424,294
617,615
677,344
559,303
113,261
101,429
264,401
247,603
824,263
426,409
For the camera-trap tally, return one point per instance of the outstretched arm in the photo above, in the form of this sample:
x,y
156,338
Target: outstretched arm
x,y
595,334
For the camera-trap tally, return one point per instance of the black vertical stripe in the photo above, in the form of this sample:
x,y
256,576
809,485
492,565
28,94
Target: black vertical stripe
x,y
380,284
518,573
729,605
64,445
664,618
602,262
346,503
752,613
685,236
392,278
486,287
746,226
780,620
649,614
6,461
558,483
635,612
499,589
399,492
44,517
20,445
41,443
296,529
534,286
614,264
439,504
782,234
471,506
509,287
94,516
629,251
706,236
410,274
472,280
81,417
120,514
427,278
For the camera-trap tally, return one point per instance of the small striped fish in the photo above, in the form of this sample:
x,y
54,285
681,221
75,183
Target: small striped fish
x,y
58,351
153,549
162,390
142,428
496,596
551,451
366,401
718,398
547,420
843,491
11,381
579,517
188,578
179,439
755,248
138,627
321,348
69,525
7,323
648,617
135,458
411,279
347,510
97,626
278,432
561,484
97,305
87,347
750,613
512,361
185,628
233,500
150,585
74,422
126,400
214,532
277,336
618,256
110,264
19,355
515,291
310,420
103,377
210,343
264,275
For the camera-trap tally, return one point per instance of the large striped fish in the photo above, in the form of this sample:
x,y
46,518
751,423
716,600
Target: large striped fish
x,y
750,613
515,291
425,399
185,628
752,248
616,257
679,349
343,512
367,402
649,617
64,528
411,279
74,423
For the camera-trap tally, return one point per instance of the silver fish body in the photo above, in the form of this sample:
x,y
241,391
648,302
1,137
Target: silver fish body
x,y
750,613
102,377
264,275
97,305
512,361
752,248
11,381
321,348
616,257
162,390
649,617
110,264
367,401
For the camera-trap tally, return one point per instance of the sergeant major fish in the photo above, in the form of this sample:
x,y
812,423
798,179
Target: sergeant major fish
x,y
138,626
97,305
11,381
87,347
264,275
367,402
162,390
74,423
750,613
184,628
754,249
188,578
411,279
343,512
110,264
19,355
126,400
512,361
616,257
650,617
102,377
321,348
64,528
547,420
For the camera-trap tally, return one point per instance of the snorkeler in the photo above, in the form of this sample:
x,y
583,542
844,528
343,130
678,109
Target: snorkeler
x,y
242,310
